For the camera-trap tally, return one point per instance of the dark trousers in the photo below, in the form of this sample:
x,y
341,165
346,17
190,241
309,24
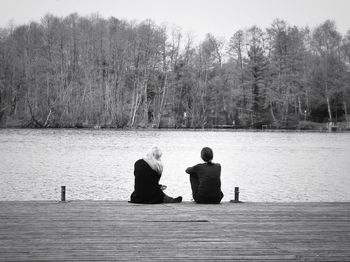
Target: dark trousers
x,y
194,186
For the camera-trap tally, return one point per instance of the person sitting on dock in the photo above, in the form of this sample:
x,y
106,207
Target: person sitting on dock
x,y
205,179
147,172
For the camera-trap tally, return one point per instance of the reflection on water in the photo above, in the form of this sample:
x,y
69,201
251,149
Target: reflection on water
x,y
98,164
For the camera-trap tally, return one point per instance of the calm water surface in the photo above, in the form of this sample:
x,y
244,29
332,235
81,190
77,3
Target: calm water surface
x,y
98,164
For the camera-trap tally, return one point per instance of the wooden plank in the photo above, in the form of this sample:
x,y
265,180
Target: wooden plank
x,y
115,230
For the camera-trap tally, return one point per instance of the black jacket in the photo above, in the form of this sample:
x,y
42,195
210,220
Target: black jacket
x,y
206,183
146,189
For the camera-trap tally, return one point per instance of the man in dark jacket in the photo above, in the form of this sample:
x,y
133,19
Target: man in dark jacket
x,y
205,179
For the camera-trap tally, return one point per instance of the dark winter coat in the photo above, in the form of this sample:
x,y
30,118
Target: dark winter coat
x,y
206,183
146,189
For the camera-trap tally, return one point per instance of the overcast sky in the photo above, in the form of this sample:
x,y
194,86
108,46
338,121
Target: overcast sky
x,y
219,17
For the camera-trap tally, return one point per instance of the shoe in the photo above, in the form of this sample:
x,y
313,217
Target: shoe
x,y
177,200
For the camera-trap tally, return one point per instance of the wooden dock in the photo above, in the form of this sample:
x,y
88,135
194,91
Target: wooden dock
x,y
120,231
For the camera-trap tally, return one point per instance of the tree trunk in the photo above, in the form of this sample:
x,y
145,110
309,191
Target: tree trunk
x,y
162,102
145,102
136,105
346,113
329,110
46,124
272,114
299,106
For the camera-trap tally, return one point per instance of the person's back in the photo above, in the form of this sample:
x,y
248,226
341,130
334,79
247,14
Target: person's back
x,y
146,187
147,172
205,179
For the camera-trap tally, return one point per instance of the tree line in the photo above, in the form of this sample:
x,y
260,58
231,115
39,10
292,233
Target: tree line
x,y
89,71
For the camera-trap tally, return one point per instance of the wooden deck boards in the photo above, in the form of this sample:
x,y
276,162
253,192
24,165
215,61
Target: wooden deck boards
x,y
119,231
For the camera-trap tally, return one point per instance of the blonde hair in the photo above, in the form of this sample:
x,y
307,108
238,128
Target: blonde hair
x,y
153,159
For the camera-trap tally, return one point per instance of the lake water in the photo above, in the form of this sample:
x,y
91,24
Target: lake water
x,y
98,164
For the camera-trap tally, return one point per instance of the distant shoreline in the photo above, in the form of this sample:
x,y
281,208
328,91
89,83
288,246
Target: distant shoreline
x,y
272,130
301,126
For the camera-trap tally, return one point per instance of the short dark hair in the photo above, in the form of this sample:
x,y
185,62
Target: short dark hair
x,y
207,154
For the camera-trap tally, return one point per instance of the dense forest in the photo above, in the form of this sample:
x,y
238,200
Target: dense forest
x,y
89,71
